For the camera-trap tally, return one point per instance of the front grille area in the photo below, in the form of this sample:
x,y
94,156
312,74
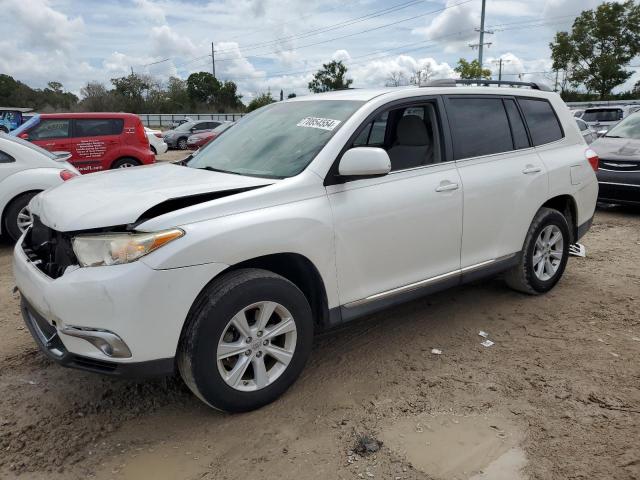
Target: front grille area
x,y
48,249
620,165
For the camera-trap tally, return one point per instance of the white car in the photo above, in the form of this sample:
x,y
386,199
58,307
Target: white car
x,y
156,143
26,170
306,214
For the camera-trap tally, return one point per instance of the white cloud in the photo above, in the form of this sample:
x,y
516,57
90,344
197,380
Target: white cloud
x,y
41,25
151,10
166,42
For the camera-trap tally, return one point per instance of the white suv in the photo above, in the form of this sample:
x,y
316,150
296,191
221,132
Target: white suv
x,y
307,214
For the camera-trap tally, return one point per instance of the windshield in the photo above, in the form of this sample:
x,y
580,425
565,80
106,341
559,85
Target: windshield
x,y
30,145
185,127
26,126
602,115
276,141
628,128
222,127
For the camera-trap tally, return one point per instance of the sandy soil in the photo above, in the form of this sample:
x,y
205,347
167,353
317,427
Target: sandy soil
x,y
556,397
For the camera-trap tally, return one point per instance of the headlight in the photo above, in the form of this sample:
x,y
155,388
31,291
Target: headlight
x,y
118,248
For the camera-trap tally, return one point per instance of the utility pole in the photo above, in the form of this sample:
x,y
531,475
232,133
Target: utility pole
x,y
555,88
213,60
482,31
500,71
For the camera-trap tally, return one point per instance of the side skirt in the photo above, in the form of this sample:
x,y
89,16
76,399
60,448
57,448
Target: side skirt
x,y
384,300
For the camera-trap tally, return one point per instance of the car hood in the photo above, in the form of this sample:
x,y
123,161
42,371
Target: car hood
x,y
617,148
127,196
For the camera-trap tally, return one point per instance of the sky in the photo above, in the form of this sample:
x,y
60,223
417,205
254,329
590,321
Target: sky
x,y
269,45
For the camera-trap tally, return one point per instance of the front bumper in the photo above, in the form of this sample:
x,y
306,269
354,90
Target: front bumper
x,y
146,308
619,187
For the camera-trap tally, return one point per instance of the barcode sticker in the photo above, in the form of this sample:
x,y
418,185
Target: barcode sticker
x,y
321,123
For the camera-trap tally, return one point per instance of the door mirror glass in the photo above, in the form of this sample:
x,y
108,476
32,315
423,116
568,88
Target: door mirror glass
x,y
364,161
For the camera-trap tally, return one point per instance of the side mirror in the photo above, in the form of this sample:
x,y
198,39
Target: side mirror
x,y
192,129
24,136
364,161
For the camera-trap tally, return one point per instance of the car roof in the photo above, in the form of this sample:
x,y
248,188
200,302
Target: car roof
x,y
367,94
89,115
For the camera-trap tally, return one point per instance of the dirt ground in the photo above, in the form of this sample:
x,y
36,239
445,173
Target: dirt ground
x,y
557,395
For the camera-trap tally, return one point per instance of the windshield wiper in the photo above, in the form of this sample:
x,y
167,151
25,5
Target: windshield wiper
x,y
213,169
613,136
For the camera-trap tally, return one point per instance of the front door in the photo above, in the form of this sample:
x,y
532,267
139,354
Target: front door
x,y
403,228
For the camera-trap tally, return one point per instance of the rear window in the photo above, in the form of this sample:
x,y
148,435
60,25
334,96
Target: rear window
x,y
602,115
95,127
479,127
541,120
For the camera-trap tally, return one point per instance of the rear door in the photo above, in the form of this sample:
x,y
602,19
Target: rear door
x,y
96,143
504,180
53,134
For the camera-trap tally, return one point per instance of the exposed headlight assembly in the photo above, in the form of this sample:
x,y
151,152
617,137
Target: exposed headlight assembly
x,y
118,248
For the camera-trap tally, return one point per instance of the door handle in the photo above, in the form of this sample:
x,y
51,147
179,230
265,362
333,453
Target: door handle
x,y
531,169
447,186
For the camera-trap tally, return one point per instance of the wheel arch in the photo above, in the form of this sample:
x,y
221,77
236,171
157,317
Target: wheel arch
x,y
568,206
5,205
124,157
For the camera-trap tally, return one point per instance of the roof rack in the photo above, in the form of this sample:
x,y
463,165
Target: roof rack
x,y
483,82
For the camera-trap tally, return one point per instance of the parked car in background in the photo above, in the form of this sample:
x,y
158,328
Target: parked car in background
x,y
11,118
156,143
619,152
577,112
601,119
177,123
588,134
26,170
298,219
178,137
96,141
201,139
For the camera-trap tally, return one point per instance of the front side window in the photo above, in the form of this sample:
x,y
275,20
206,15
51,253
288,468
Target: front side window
x,y
94,127
541,120
50,128
276,141
479,126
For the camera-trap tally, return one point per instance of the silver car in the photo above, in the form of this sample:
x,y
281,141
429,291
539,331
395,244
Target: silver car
x,y
588,135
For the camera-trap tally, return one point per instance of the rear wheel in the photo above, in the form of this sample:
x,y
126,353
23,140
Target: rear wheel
x,y
125,163
544,255
17,216
247,339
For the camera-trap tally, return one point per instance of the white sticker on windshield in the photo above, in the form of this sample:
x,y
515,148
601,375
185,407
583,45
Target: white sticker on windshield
x,y
321,123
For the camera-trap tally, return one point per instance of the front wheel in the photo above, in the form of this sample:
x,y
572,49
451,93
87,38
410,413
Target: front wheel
x,y
544,255
182,144
247,338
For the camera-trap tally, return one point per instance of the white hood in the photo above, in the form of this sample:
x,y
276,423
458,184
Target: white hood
x,y
120,197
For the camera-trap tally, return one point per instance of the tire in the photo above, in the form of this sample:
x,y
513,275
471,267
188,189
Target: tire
x,y
153,149
209,324
182,143
125,163
538,278
12,215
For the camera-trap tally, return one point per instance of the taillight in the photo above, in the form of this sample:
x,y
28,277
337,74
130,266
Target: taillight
x,y
141,135
66,175
592,158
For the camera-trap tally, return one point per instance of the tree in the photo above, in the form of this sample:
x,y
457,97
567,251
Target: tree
x,y
95,97
636,88
602,42
330,77
202,87
260,101
227,98
471,70
396,79
422,75
130,91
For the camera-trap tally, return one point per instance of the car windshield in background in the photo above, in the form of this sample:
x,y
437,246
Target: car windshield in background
x,y
185,127
604,115
276,141
32,146
628,128
26,125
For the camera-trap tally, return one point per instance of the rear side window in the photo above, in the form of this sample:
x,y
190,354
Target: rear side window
x,y
479,126
95,127
518,130
541,120
6,158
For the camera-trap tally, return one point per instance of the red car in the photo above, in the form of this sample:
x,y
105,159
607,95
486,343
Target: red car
x,y
96,141
201,139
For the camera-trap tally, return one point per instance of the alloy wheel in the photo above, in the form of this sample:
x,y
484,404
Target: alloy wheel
x,y
256,346
24,219
547,252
